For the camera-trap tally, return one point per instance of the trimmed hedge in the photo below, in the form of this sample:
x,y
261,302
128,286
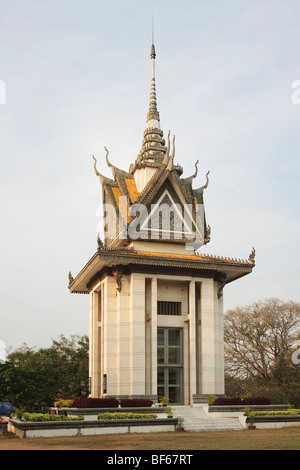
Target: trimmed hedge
x,y
135,402
291,412
256,401
121,415
104,403
38,417
95,403
241,401
227,401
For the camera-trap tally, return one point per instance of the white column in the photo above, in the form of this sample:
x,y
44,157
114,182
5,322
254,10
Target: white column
x,y
192,341
148,358
109,321
94,347
137,334
154,335
219,339
91,342
208,338
123,345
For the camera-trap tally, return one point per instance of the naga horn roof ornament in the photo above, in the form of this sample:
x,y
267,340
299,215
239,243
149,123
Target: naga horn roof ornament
x,y
200,190
189,180
166,158
170,163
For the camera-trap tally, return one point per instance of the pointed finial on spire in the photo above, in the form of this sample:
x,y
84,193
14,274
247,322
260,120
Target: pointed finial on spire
x,y
153,53
153,146
153,115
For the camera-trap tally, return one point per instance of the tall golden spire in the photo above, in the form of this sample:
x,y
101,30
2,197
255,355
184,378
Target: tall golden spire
x,y
153,114
153,148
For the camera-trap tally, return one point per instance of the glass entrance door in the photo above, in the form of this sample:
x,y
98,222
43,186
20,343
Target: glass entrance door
x,y
170,364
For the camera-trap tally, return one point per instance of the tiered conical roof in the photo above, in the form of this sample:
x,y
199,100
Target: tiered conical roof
x,y
123,191
153,146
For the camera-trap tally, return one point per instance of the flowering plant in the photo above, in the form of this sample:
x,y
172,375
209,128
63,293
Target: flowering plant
x,y
164,401
64,403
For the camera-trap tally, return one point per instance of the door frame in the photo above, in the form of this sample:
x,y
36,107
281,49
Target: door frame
x,y
170,356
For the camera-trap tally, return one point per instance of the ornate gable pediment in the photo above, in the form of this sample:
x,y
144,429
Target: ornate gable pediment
x,y
174,214
167,209
165,218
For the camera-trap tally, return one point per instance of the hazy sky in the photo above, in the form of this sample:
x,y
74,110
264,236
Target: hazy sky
x,y
76,76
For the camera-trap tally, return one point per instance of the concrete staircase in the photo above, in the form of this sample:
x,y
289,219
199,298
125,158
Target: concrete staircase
x,y
197,420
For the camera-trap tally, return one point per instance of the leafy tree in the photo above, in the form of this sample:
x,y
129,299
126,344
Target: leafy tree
x,y
73,362
18,386
33,378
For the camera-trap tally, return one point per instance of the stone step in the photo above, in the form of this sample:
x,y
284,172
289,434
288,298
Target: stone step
x,y
195,419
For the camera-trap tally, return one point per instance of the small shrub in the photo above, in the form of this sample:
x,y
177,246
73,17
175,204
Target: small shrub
x,y
64,403
210,399
120,415
251,419
135,402
96,403
247,410
164,401
18,413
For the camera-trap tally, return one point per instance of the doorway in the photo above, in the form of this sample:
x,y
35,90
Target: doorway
x,y
170,364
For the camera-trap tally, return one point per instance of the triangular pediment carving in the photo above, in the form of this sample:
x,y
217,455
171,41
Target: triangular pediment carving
x,y
169,216
165,219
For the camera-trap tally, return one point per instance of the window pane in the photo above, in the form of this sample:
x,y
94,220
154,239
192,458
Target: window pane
x,y
175,376
174,356
174,338
174,394
160,376
160,337
160,355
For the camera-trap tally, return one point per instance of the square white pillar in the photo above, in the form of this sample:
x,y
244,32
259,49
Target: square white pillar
x,y
212,355
154,336
208,385
137,353
192,341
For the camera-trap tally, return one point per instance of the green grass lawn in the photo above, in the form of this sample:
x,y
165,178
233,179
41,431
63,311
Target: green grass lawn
x,y
258,439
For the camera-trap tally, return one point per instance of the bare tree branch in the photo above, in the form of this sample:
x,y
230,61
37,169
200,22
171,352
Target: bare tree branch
x,y
256,337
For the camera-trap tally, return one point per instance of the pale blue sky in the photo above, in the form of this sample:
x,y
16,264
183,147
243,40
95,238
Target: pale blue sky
x,y
77,76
